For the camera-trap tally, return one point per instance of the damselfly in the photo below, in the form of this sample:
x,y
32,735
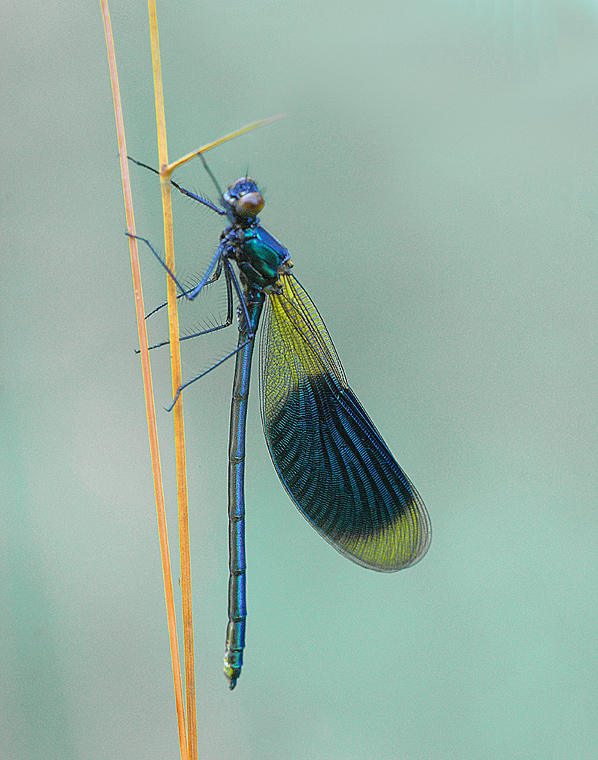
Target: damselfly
x,y
329,456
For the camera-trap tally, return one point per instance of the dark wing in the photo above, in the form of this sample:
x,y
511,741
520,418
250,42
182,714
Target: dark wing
x,y
326,450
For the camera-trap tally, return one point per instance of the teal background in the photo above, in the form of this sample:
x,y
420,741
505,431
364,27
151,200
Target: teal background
x,y
435,182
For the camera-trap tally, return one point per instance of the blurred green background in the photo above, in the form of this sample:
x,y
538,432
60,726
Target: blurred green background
x,y
435,182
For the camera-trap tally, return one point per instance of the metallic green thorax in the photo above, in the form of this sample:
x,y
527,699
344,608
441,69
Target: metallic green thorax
x,y
261,257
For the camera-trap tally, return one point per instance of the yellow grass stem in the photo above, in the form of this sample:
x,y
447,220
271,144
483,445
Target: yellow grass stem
x,y
147,385
175,365
247,128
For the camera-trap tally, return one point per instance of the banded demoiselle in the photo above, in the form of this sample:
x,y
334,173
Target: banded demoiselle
x,y
327,452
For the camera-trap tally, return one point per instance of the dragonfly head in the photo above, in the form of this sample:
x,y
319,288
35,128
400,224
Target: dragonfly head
x,y
244,198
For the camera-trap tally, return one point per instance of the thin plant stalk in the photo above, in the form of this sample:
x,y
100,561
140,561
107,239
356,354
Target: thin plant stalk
x,y
241,131
147,385
175,366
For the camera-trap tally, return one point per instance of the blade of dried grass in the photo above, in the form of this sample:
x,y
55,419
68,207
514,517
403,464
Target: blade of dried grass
x,y
175,366
208,146
147,384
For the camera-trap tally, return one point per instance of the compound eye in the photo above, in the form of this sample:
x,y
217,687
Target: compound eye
x,y
249,204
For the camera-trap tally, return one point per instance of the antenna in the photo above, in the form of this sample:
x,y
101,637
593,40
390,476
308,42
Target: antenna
x,y
212,177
